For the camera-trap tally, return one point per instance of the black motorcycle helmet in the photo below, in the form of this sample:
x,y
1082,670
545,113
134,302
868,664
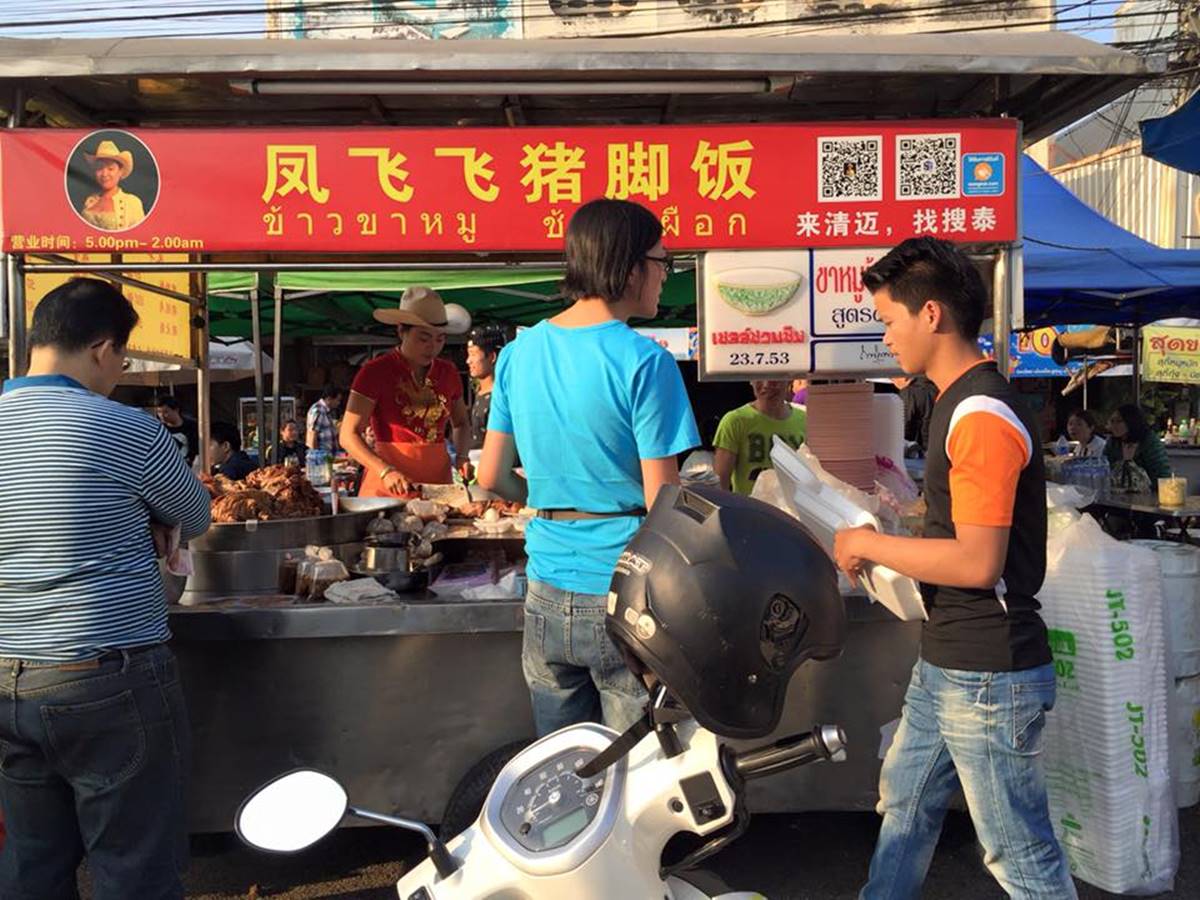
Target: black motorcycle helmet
x,y
721,597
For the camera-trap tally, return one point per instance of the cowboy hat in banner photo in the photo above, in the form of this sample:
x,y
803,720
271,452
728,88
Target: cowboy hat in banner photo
x,y
137,174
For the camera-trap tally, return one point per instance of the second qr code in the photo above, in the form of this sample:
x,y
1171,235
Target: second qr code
x,y
927,167
850,168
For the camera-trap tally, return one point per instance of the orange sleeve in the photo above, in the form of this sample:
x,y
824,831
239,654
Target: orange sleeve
x,y
987,453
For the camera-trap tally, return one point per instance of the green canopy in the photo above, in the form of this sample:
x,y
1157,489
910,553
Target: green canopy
x,y
227,282
347,299
395,282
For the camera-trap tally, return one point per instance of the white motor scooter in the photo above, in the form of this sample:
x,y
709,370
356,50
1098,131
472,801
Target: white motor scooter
x,y
583,814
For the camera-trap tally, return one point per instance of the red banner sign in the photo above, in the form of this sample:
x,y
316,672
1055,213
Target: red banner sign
x,y
376,190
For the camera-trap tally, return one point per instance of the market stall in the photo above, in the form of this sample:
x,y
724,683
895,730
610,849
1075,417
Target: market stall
x,y
401,698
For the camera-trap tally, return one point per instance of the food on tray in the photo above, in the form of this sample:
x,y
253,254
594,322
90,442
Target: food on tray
x,y
242,506
757,291
276,492
428,510
480,508
499,526
446,494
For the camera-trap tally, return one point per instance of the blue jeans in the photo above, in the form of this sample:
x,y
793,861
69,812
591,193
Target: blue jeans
x,y
574,670
981,731
93,760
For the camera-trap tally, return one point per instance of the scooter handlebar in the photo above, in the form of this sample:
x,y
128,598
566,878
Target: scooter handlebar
x,y
825,742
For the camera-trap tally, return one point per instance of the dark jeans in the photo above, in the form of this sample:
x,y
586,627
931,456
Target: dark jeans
x,y
93,760
574,670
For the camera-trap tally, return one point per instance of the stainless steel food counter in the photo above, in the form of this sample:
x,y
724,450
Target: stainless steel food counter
x,y
400,700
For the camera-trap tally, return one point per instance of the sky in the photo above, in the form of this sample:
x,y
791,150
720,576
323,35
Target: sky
x,y
102,18
246,18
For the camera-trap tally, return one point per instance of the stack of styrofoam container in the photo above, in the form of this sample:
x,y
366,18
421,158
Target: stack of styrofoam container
x,y
1181,593
1106,742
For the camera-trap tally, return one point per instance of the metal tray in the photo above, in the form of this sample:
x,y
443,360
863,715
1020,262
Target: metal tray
x,y
284,534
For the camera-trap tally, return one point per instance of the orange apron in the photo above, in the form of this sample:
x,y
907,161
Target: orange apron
x,y
419,463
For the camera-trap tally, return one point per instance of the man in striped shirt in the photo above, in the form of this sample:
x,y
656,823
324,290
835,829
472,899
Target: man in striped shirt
x,y
94,739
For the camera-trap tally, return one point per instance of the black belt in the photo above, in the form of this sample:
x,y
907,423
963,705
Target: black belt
x,y
571,515
109,656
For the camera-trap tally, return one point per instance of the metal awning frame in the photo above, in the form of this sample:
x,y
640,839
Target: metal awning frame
x,y
1088,74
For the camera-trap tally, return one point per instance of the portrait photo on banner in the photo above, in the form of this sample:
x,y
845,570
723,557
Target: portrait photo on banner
x,y
112,180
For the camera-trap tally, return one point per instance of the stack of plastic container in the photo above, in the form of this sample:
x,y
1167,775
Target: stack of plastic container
x,y
841,431
1106,742
1181,592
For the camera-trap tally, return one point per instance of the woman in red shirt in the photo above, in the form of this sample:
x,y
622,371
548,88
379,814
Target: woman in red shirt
x,y
407,397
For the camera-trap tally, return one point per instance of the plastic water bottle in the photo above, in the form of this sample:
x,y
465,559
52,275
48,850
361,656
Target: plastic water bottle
x,y
1062,446
317,467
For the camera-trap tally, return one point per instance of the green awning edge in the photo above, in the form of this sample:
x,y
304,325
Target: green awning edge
x,y
396,282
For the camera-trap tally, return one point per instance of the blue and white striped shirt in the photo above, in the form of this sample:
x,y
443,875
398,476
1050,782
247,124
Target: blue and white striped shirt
x,y
81,479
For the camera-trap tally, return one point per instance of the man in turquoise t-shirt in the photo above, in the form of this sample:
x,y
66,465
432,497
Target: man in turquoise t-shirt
x,y
598,414
744,437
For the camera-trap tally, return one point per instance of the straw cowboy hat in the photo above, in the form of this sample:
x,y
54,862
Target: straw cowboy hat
x,y
423,306
108,150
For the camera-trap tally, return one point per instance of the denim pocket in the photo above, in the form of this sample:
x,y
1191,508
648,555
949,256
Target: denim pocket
x,y
98,744
533,640
1030,702
966,678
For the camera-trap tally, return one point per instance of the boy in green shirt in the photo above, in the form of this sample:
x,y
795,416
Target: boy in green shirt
x,y
744,437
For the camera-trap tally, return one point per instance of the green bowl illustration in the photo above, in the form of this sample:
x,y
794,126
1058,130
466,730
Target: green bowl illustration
x,y
756,292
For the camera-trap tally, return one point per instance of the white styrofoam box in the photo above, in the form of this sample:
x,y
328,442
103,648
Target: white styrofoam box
x,y
888,424
1185,741
1106,751
1181,590
824,511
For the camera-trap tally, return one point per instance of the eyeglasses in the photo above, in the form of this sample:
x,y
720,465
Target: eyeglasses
x,y
666,260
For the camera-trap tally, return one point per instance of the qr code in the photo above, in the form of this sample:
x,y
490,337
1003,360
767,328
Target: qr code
x,y
927,167
850,168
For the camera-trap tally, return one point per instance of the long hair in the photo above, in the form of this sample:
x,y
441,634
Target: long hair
x,y
1135,422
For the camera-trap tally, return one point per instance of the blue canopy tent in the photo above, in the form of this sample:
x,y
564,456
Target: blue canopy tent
x,y
1174,140
1080,268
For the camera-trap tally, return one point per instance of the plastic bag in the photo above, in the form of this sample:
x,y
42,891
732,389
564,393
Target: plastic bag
x,y
359,591
849,491
1129,478
895,480
380,525
1106,740
698,469
325,573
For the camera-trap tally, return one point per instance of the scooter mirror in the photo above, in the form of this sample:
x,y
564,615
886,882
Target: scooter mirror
x,y
291,812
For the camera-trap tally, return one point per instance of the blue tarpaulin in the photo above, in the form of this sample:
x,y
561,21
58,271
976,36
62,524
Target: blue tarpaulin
x,y
1174,140
1082,268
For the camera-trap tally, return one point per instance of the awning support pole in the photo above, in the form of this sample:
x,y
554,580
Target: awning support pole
x,y
14,279
259,406
277,347
1002,308
15,290
203,379
1136,359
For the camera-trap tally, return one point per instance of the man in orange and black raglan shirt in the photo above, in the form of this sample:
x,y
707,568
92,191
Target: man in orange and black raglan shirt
x,y
979,693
